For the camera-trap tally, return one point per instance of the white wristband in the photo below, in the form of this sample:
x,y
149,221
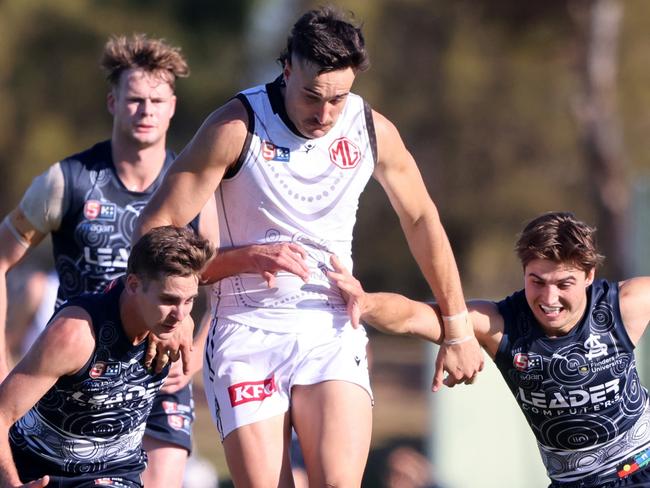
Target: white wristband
x,y
451,342
458,316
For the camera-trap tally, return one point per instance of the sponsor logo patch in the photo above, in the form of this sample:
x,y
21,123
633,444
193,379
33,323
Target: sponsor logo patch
x,y
94,209
253,391
100,368
344,153
97,369
176,422
527,362
271,152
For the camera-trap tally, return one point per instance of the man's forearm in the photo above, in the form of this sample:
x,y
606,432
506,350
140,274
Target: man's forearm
x,y
432,251
8,472
395,314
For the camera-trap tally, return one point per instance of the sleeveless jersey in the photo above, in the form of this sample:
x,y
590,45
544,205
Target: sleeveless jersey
x,y
91,246
580,393
288,188
92,421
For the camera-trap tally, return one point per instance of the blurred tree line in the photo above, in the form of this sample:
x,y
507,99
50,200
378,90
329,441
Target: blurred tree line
x,y
489,95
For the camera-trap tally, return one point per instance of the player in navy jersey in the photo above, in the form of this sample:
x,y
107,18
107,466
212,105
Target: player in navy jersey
x,y
565,347
73,411
89,203
288,161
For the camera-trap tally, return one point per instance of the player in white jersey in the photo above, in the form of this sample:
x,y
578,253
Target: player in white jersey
x,y
288,161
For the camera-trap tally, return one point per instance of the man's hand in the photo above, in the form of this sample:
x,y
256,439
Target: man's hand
x,y
265,259
350,287
176,379
178,345
462,359
269,259
39,483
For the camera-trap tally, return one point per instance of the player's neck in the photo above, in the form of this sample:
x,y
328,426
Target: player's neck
x,y
134,327
138,167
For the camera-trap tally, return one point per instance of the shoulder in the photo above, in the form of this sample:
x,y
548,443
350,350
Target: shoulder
x,y
384,127
99,153
634,305
220,139
232,115
488,324
68,338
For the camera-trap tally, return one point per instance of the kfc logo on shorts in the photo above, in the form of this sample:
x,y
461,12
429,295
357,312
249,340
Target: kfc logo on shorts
x,y
344,153
254,391
97,370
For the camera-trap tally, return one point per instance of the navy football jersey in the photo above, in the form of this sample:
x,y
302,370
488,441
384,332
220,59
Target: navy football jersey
x,y
92,421
580,393
91,246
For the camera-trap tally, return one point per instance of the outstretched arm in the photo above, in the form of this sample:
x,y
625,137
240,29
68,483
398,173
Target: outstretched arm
x,y
392,313
62,349
398,174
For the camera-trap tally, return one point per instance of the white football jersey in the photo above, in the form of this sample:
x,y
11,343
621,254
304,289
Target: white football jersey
x,y
288,188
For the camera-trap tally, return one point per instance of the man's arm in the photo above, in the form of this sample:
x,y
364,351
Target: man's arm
x,y
264,259
398,174
62,349
195,175
17,236
634,302
392,313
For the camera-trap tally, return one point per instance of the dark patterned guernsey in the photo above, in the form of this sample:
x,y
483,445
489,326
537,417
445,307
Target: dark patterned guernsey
x,y
92,244
91,423
580,393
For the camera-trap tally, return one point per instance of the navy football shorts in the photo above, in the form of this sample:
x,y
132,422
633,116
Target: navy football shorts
x,y
89,481
171,418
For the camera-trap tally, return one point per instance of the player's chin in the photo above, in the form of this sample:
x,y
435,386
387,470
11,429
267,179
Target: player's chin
x,y
165,331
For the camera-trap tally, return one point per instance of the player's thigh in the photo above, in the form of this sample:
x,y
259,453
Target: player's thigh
x,y
333,420
166,463
258,454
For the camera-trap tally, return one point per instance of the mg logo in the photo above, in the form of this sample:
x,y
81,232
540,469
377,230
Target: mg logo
x,y
344,153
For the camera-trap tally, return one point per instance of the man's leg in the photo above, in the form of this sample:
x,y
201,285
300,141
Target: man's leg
x,y
258,454
333,420
167,439
166,465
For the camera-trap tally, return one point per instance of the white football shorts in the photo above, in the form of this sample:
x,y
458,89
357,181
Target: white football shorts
x,y
249,372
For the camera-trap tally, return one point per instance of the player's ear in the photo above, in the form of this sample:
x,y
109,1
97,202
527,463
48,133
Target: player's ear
x,y
110,102
591,275
132,283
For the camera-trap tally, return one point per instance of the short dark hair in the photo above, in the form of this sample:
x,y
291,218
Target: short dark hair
x,y
169,251
559,237
138,51
326,38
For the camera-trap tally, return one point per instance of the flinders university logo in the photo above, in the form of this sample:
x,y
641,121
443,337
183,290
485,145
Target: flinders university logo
x,y
595,347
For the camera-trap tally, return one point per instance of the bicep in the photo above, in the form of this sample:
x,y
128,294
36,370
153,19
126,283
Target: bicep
x,y
17,236
487,324
62,349
209,222
198,170
398,174
634,303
